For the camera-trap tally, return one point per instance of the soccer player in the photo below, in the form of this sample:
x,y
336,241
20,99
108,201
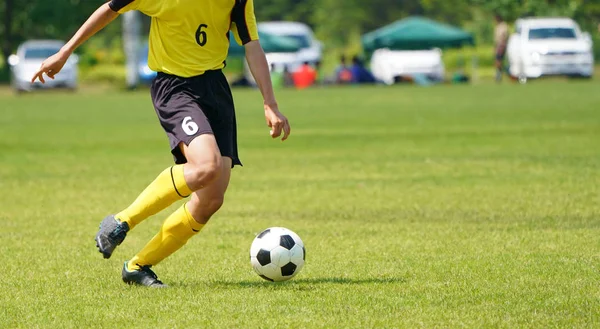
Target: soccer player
x,y
189,41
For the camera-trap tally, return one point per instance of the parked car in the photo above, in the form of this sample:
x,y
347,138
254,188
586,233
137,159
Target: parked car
x,y
145,74
311,49
391,66
28,59
549,46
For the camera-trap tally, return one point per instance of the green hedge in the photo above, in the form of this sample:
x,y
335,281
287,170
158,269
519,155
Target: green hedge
x,y
596,39
115,74
100,51
456,59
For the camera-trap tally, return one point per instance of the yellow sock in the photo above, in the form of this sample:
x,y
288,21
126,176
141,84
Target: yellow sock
x,y
167,188
174,234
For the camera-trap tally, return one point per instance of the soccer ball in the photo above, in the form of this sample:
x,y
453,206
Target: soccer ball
x,y
277,254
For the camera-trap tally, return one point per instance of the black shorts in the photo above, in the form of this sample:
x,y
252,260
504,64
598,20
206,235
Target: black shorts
x,y
190,107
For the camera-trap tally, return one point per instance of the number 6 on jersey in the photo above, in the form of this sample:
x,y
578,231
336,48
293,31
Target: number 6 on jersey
x,y
201,37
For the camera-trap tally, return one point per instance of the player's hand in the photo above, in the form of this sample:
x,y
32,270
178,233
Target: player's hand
x,y
277,122
51,66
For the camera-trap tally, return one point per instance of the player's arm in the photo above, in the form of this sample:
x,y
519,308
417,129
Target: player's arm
x,y
97,21
246,33
260,70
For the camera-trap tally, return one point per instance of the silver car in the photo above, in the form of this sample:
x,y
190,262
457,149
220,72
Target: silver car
x,y
28,59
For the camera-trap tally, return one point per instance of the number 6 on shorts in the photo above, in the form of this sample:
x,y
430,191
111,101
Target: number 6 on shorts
x,y
189,126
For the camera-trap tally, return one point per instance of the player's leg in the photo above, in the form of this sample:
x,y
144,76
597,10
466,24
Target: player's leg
x,y
172,184
185,222
178,228
218,109
177,182
207,201
168,187
184,122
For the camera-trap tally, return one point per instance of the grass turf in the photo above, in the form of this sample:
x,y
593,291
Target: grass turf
x,y
440,207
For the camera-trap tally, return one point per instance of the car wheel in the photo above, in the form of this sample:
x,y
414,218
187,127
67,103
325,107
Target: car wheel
x,y
522,79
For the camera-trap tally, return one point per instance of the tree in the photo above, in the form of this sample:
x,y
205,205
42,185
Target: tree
x,y
40,19
24,20
6,32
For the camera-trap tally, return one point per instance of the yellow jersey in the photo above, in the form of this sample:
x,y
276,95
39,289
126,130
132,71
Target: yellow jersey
x,y
189,37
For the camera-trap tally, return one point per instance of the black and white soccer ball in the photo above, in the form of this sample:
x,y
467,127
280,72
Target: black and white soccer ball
x,y
277,254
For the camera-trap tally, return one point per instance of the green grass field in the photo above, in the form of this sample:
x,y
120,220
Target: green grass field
x,y
444,207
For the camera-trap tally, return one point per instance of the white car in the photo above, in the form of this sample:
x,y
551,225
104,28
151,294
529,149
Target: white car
x,y
311,51
549,46
28,59
391,66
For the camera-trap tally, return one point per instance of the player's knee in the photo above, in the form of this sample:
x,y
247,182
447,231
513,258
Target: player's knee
x,y
206,171
212,169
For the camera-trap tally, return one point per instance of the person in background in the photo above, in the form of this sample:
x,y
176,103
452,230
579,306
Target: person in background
x,y
305,76
320,80
500,41
277,78
343,75
360,74
288,78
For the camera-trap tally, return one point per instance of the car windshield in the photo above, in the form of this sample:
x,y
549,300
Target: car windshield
x,y
40,53
552,33
302,40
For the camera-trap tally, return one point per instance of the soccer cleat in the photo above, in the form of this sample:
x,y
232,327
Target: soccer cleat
x,y
143,277
112,232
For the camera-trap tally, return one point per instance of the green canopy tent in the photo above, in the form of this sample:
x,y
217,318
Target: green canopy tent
x,y
416,33
270,43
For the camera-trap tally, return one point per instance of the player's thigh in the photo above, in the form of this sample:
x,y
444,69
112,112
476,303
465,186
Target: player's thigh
x,y
202,150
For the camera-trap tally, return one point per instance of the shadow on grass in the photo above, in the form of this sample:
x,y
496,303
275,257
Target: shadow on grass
x,y
299,284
